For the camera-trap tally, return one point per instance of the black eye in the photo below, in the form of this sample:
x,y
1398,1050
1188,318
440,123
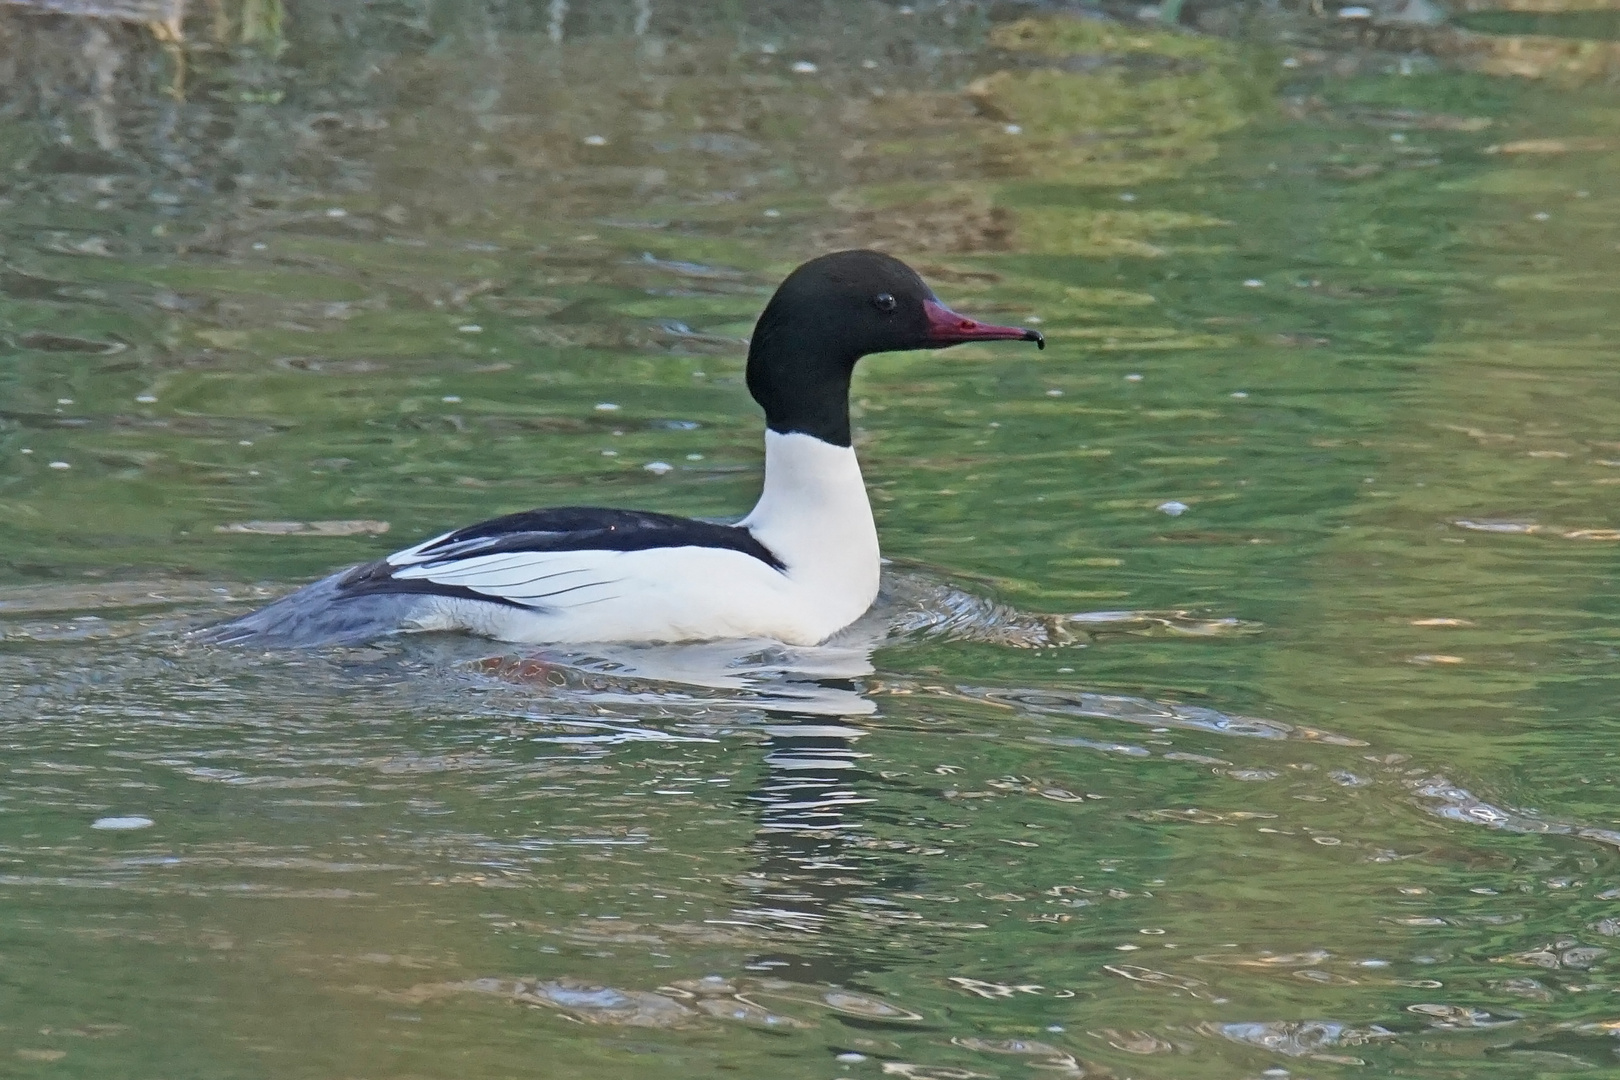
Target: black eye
x,y
884,302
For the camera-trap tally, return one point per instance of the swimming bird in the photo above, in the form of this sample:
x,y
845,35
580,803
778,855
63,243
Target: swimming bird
x,y
801,566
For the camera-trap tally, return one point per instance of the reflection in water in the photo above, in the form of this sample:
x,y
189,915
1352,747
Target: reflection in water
x,y
806,799
743,675
804,879
814,767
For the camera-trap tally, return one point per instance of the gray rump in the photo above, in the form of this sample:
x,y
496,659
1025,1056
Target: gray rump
x,y
323,613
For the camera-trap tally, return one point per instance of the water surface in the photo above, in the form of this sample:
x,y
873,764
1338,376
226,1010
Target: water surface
x,y
1241,699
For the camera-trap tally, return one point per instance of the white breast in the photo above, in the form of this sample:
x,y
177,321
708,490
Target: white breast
x,y
814,514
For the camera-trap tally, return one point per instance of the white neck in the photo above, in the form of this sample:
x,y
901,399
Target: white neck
x,y
815,516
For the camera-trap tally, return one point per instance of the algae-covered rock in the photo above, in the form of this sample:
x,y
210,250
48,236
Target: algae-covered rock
x,y
1067,37
1107,128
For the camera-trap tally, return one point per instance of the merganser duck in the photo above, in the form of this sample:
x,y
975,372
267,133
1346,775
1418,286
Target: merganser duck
x,y
803,565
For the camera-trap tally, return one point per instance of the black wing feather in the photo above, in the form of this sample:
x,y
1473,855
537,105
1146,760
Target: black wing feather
x,y
561,528
377,578
591,528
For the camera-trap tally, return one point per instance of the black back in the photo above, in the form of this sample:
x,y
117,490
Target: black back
x,y
560,528
822,319
593,528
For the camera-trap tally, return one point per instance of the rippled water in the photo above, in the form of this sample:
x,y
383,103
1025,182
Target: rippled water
x,y
1241,700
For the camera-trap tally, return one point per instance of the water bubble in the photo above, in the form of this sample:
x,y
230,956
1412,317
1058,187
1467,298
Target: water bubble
x,y
1291,62
1240,394
1453,1017
658,468
60,465
1541,215
853,1004
1054,393
470,328
746,1012
850,1058
1013,129
146,399
1127,196
1173,508
1299,1038
1133,377
451,399
597,1004
337,212
1021,1047
773,213
606,406
1253,283
595,140
804,67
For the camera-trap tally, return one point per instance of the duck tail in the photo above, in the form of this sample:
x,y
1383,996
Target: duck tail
x,y
317,614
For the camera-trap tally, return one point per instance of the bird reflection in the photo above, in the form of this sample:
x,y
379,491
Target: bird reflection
x,y
814,861
808,867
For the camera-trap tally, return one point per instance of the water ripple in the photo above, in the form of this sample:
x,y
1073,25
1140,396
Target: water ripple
x,y
1302,1038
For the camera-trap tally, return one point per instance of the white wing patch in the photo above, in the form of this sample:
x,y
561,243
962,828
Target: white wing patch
x,y
417,554
544,579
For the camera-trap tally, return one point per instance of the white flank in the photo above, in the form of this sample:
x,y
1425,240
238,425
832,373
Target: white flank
x,y
813,515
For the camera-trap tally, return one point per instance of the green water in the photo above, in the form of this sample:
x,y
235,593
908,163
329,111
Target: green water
x,y
1589,25
1323,785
